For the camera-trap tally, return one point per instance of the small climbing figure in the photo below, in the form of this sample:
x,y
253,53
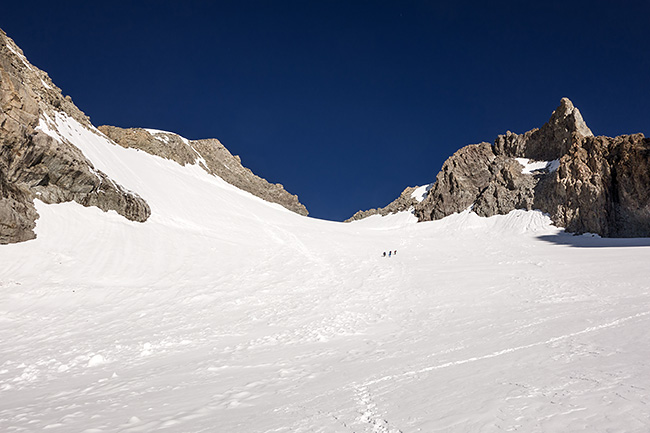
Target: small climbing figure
x,y
389,253
384,254
395,253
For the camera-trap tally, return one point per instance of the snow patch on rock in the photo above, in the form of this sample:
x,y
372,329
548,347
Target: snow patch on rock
x,y
421,192
530,166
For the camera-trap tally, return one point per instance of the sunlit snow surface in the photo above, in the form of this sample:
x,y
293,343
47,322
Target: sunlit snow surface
x,y
531,166
421,192
223,313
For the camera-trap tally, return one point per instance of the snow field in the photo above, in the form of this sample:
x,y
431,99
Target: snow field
x,y
227,313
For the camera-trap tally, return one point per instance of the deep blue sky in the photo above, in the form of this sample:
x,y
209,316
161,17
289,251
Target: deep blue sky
x,y
343,102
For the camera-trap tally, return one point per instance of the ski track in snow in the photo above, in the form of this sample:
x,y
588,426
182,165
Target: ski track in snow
x,y
227,313
502,352
368,408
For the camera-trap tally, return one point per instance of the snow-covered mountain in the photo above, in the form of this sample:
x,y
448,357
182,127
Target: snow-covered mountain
x,y
38,159
224,312
585,183
210,155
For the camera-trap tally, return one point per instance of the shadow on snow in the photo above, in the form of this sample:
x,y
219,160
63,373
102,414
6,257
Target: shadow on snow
x,y
594,241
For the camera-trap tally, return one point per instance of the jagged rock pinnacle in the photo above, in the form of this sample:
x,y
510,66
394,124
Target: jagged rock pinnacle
x,y
549,142
569,116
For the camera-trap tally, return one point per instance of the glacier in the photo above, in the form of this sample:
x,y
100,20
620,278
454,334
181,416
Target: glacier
x,y
223,312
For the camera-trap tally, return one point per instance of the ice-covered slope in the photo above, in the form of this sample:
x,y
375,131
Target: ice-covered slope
x,y
224,313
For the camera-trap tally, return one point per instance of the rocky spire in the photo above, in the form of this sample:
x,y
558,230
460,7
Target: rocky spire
x,y
569,117
549,142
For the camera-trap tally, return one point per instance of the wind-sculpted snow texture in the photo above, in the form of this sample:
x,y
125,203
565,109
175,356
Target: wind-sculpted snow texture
x,y
38,162
223,312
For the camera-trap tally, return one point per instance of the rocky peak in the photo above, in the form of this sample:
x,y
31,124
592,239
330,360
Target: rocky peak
x,y
43,91
549,142
38,164
585,183
569,117
597,184
556,136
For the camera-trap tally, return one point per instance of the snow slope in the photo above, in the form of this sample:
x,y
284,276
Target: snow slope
x,y
224,313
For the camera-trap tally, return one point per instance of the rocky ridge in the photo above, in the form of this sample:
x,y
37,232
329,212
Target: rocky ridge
x,y
406,201
33,164
586,184
37,162
209,154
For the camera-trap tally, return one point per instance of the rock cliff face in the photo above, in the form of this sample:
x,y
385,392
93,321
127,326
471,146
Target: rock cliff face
x,y
585,183
211,155
602,186
33,164
475,176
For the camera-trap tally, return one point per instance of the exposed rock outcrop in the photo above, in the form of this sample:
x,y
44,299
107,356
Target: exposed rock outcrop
x,y
602,186
17,213
596,184
38,162
475,176
551,141
211,155
404,202
35,165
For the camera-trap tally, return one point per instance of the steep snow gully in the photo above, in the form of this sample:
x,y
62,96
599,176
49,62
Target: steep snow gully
x,y
226,313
